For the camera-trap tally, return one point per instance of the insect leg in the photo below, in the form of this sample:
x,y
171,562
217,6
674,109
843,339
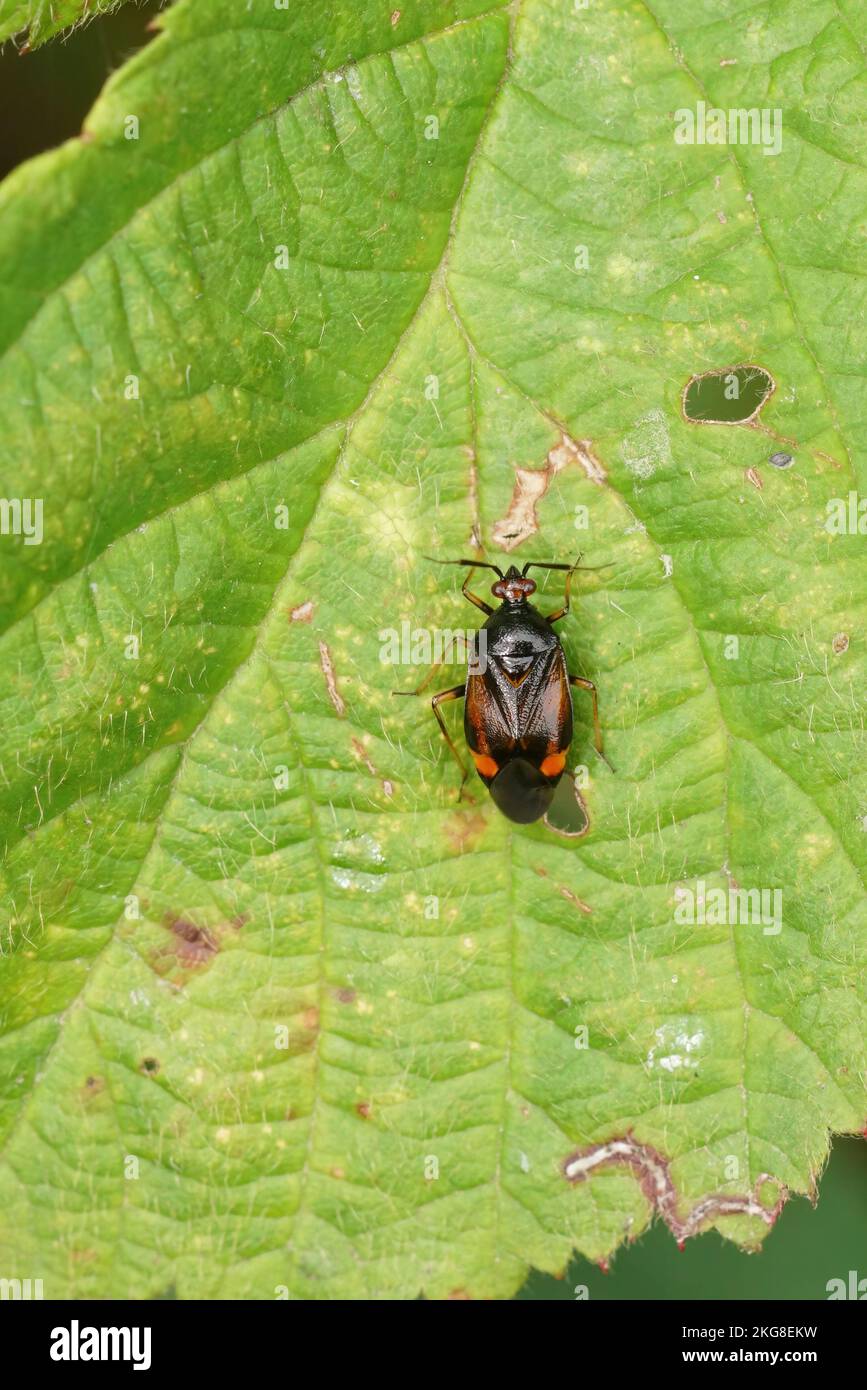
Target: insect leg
x,y
474,598
420,687
539,565
457,692
473,564
567,593
585,684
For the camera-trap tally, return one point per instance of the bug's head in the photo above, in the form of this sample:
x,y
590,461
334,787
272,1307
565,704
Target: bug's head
x,y
514,587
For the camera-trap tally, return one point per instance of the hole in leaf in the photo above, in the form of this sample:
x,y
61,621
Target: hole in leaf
x,y
730,396
567,814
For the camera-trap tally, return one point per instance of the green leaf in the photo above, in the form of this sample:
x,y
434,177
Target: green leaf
x,y
281,1015
42,19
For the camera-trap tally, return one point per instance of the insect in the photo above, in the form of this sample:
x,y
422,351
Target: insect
x,y
518,702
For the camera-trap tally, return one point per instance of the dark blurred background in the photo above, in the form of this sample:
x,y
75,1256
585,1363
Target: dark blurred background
x,y
44,97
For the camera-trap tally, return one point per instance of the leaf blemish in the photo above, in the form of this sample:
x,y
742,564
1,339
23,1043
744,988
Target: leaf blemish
x,y
360,753
753,476
654,1179
302,613
464,829
330,680
566,892
531,484
197,945
574,899
589,462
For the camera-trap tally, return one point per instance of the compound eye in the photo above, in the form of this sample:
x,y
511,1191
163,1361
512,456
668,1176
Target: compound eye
x,y
529,586
499,589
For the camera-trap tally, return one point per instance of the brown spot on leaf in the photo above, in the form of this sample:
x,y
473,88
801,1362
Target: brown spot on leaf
x,y
828,458
531,484
463,829
149,1066
330,680
364,1108
566,892
360,752
302,613
574,899
840,643
752,476
310,1018
346,995
593,467
196,945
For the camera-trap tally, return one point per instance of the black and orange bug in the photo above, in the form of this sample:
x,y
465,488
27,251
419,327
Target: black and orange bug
x,y
518,701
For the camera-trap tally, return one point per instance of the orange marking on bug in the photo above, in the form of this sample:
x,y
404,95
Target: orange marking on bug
x,y
485,764
553,764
